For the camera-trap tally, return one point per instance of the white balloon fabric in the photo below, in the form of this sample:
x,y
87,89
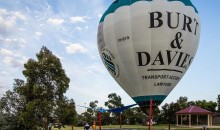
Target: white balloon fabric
x,y
148,45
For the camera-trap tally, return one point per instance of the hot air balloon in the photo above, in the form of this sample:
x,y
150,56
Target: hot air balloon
x,y
148,45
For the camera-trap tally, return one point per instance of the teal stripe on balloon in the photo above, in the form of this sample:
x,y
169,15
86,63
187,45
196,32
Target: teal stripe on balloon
x,y
118,3
187,3
146,99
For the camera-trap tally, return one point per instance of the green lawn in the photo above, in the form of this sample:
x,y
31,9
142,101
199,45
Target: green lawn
x,y
139,127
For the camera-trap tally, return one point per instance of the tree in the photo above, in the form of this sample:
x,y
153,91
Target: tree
x,y
106,119
129,117
11,106
114,101
92,111
46,83
93,106
182,103
134,116
156,114
211,106
66,113
218,101
169,110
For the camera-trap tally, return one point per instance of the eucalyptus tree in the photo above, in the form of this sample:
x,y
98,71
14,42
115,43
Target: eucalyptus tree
x,y
114,101
44,88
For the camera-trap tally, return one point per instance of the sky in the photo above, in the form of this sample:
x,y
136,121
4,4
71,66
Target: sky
x,y
69,29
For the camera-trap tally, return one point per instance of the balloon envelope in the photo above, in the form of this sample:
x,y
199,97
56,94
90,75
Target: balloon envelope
x,y
148,45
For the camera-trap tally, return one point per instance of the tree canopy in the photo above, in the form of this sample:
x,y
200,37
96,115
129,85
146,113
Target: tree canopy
x,y
42,92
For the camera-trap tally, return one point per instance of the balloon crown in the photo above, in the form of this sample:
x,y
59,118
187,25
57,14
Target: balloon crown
x,y
118,3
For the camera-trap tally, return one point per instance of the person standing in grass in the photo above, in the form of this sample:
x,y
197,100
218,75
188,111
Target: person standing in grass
x,y
94,125
87,126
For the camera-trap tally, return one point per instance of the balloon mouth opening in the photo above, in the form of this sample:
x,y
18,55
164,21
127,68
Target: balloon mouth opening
x,y
145,106
146,109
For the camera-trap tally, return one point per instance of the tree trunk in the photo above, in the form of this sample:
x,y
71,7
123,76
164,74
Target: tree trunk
x,y
169,123
46,124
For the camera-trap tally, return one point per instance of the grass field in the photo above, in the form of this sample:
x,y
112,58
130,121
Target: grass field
x,y
139,127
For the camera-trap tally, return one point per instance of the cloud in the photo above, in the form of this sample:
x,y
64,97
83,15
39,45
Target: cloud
x,y
2,90
78,19
14,61
6,52
75,48
17,42
4,73
58,55
79,28
9,19
55,22
72,48
18,15
38,34
87,27
12,15
96,69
